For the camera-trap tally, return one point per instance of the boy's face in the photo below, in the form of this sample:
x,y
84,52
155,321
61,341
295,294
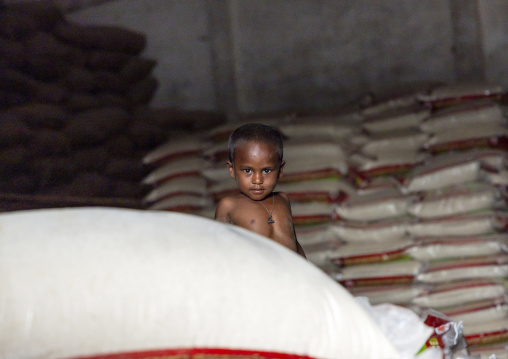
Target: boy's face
x,y
256,168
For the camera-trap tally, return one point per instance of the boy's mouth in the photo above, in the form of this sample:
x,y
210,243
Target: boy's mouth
x,y
257,190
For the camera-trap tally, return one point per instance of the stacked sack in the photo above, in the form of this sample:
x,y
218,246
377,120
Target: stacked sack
x,y
465,251
313,176
434,235
387,144
394,201
73,105
176,182
316,174
372,222
315,166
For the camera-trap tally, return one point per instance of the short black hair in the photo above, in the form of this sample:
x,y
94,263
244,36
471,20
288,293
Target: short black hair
x,y
255,132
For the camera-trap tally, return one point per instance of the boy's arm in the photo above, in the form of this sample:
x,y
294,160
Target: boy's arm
x,y
299,248
222,210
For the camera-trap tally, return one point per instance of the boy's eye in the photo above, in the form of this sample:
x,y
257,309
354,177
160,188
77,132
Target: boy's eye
x,y
247,170
266,170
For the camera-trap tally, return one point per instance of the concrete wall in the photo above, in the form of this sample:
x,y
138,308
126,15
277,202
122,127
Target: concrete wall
x,y
263,55
494,23
321,53
178,38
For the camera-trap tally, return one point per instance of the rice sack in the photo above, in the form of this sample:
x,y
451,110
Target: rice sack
x,y
121,283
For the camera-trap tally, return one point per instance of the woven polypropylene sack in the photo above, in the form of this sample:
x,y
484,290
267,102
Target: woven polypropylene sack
x,y
90,282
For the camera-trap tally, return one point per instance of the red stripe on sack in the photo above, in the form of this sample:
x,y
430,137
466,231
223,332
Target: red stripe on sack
x,y
488,337
195,353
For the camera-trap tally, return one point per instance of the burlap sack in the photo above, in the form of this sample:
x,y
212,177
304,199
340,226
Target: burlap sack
x,y
146,135
127,189
137,68
167,117
12,53
14,130
90,184
16,81
48,92
125,168
120,146
45,44
54,170
14,158
12,80
106,60
50,143
46,68
17,26
45,14
36,114
142,92
18,183
112,99
78,102
79,79
107,81
95,126
91,159
103,37
11,98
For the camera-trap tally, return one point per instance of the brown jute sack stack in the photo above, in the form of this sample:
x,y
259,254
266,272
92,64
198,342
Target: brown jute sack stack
x,y
74,112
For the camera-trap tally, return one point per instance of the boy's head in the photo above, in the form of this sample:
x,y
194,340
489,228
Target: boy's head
x,y
255,132
255,159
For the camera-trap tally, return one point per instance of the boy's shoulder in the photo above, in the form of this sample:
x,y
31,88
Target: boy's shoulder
x,y
282,195
225,207
231,200
238,198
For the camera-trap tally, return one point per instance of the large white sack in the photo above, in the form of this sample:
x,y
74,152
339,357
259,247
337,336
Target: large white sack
x,y
91,281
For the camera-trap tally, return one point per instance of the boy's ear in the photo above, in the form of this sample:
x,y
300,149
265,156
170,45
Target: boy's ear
x,y
282,163
231,169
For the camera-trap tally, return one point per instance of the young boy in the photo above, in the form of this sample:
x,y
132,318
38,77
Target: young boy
x,y
255,162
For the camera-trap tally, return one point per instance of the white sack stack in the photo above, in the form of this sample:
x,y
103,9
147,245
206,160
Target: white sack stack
x,y
388,212
455,217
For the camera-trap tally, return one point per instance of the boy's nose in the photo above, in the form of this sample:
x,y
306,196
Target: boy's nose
x,y
257,178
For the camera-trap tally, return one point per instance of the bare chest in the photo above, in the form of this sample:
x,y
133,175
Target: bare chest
x,y
278,226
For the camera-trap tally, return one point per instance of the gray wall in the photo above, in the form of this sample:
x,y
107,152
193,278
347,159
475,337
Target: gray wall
x,y
244,56
494,21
